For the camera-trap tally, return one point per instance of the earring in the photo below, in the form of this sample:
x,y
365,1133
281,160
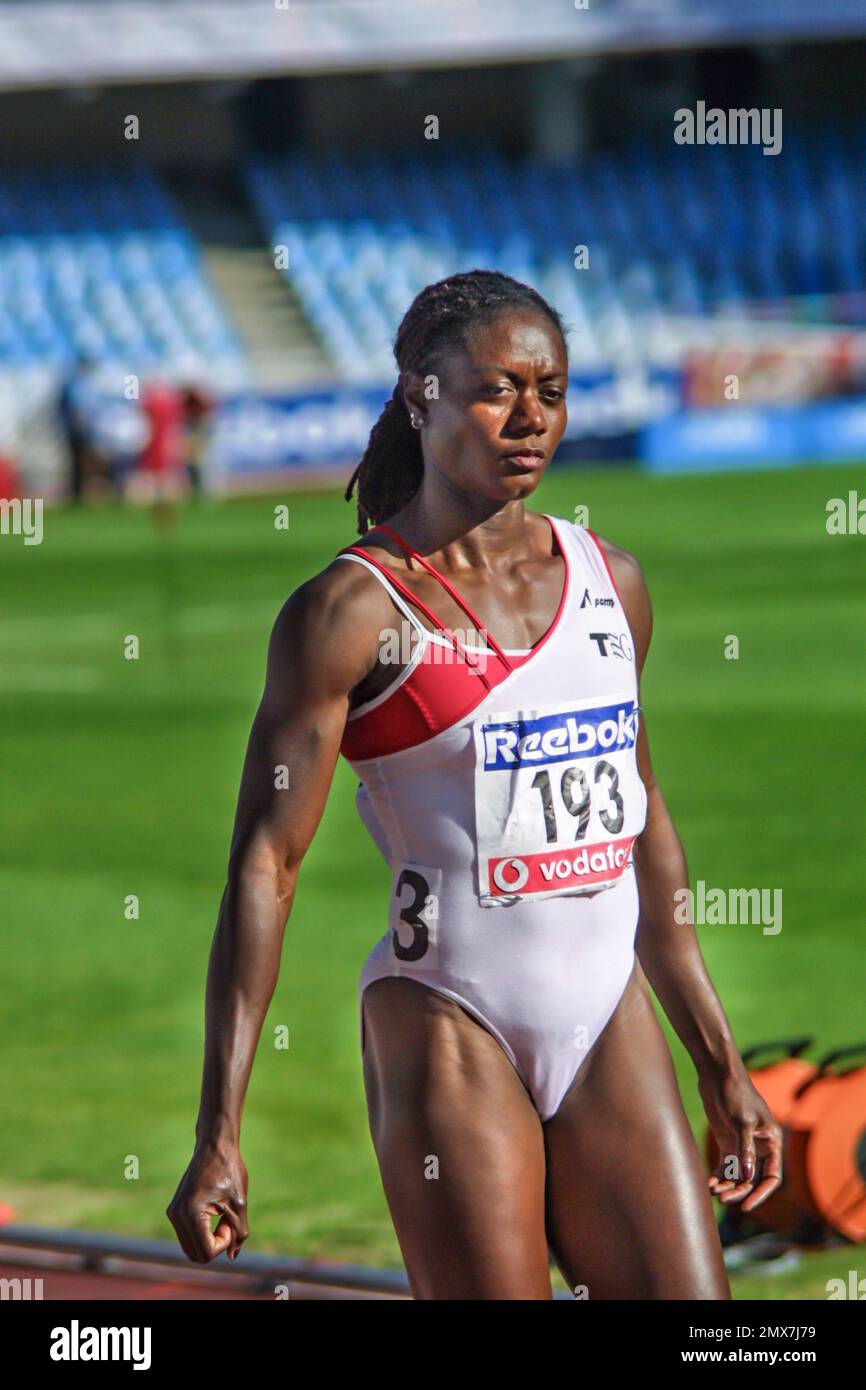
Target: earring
x,y
416,424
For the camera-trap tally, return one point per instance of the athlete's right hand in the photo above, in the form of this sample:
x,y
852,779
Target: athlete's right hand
x,y
214,1184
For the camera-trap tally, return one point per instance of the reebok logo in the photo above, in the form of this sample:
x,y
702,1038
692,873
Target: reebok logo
x,y
552,738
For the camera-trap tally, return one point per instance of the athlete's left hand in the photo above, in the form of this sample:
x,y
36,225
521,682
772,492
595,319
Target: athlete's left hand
x,y
744,1128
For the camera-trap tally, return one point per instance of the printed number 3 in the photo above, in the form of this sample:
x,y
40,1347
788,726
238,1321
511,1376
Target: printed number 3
x,y
612,822
410,915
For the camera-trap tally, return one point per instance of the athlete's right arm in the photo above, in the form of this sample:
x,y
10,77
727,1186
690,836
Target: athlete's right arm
x,y
324,641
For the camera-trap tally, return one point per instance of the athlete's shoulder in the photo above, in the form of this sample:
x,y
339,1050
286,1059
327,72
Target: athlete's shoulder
x,y
328,626
624,566
340,594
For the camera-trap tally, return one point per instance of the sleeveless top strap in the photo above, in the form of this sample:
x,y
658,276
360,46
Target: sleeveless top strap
x,y
375,570
597,544
451,590
437,622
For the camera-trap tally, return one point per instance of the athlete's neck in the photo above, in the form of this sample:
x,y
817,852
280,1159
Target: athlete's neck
x,y
473,538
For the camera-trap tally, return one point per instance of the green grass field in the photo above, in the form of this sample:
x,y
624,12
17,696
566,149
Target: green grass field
x,y
120,777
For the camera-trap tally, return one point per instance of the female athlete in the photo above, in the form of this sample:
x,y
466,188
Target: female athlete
x,y
521,1094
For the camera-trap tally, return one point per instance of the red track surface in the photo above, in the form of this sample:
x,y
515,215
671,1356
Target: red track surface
x,y
64,1279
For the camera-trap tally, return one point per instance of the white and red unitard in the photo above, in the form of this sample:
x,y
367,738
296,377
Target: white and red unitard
x,y
501,786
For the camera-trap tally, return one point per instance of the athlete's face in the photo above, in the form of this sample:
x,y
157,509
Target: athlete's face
x,y
501,409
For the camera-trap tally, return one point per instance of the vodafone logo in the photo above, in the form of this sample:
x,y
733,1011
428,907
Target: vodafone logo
x,y
600,864
508,866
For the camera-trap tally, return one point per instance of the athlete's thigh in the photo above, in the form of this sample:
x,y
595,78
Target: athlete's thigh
x,y
460,1148
629,1212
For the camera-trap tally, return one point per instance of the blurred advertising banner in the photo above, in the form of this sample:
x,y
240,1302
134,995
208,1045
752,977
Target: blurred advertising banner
x,y
256,432
738,436
808,367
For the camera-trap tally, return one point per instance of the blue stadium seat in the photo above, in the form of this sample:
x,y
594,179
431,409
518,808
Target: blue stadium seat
x,y
671,231
95,260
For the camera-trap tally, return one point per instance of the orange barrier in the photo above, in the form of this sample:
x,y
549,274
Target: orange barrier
x,y
827,1142
822,1111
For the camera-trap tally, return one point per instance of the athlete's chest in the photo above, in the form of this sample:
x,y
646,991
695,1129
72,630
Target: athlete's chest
x,y
516,606
593,652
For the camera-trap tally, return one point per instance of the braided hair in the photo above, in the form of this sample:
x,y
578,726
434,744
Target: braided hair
x,y
438,320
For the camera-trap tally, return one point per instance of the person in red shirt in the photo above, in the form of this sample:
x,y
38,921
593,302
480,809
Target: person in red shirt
x,y
162,459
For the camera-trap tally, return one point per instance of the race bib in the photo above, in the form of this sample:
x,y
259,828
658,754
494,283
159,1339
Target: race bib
x,y
413,913
558,799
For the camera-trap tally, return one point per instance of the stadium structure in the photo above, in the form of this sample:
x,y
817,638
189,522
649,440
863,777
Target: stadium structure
x,y
245,197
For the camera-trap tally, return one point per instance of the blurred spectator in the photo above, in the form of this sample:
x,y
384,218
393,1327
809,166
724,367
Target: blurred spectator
x,y
162,459
119,436
10,485
71,410
197,410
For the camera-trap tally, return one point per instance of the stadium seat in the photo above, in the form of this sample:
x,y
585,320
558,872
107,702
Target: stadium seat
x,y
96,261
672,234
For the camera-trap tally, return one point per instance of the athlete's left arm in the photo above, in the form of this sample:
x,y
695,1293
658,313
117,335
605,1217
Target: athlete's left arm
x,y
671,957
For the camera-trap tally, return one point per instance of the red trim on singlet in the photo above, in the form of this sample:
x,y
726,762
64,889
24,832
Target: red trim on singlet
x,y
413,554
407,593
606,564
436,693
